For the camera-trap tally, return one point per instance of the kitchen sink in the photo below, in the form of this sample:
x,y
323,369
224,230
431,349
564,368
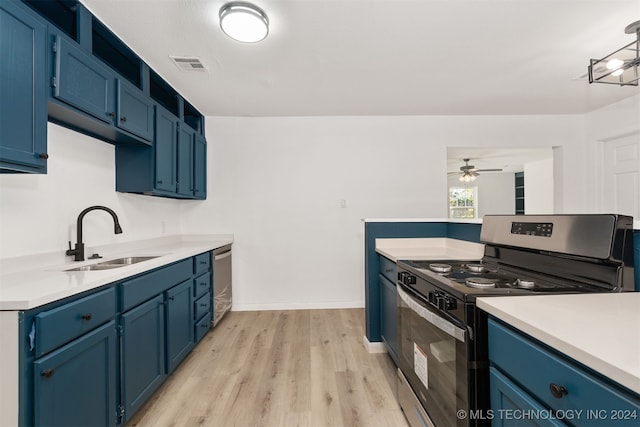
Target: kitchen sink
x,y
113,263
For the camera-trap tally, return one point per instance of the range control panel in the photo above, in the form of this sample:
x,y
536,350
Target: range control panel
x,y
543,229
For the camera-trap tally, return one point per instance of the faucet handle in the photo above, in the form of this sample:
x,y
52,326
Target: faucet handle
x,y
70,251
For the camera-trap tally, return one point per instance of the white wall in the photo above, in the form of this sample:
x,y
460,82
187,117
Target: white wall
x,y
538,187
38,212
277,183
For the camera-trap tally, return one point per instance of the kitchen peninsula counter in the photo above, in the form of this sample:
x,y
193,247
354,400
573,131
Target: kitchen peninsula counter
x,y
31,281
598,330
434,248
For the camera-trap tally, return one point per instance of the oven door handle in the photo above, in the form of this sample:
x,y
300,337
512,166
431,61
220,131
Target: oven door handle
x,y
435,319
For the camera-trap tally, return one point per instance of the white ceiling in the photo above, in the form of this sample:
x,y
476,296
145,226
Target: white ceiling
x,y
384,57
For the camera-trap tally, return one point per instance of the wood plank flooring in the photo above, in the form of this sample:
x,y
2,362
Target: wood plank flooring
x,y
279,368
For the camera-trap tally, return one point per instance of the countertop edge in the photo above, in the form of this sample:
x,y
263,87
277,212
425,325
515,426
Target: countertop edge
x,y
598,364
186,247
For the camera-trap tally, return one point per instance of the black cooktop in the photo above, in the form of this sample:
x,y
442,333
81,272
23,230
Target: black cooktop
x,y
468,279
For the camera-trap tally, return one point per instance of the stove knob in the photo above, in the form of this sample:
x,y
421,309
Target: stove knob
x,y
450,303
441,303
406,278
432,297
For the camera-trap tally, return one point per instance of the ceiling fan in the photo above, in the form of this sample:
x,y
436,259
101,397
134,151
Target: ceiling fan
x,y
469,172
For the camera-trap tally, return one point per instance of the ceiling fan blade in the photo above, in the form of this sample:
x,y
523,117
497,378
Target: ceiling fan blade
x,y
488,170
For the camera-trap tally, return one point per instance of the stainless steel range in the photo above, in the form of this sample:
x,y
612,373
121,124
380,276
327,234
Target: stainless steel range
x,y
443,361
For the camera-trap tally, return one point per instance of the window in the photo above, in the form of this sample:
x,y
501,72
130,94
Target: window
x,y
463,202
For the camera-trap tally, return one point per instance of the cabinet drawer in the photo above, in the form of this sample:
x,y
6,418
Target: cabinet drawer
x,y
538,369
388,269
202,327
142,288
202,263
62,324
202,306
203,284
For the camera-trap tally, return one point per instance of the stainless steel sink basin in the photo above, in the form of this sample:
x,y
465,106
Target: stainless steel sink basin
x,y
127,260
113,263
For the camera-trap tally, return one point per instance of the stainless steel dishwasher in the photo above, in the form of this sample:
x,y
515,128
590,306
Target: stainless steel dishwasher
x,y
221,282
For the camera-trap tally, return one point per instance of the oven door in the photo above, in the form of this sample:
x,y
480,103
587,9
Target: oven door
x,y
433,358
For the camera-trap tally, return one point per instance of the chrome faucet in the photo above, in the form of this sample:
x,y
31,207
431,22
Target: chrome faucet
x,y
78,252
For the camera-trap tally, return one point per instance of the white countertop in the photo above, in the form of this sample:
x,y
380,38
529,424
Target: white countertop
x,y
32,281
433,248
600,331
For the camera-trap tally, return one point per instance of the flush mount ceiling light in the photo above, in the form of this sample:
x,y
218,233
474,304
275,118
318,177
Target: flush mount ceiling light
x,y
244,22
621,66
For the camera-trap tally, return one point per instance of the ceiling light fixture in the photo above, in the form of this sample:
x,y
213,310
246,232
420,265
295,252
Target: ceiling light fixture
x,y
620,67
468,176
244,22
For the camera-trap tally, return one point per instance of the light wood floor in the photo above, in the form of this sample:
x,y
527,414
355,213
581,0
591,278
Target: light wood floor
x,y
279,368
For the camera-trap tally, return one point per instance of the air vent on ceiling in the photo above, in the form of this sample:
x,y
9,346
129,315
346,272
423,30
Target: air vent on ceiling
x,y
188,63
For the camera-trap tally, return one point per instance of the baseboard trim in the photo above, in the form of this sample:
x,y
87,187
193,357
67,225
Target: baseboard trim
x,y
297,306
374,347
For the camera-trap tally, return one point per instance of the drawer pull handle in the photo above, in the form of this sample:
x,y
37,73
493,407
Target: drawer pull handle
x,y
558,390
48,373
87,316
203,262
389,270
203,304
170,298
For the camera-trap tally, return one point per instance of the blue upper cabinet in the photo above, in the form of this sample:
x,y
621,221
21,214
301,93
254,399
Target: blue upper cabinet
x,y
135,111
165,150
186,142
23,113
78,74
82,81
200,168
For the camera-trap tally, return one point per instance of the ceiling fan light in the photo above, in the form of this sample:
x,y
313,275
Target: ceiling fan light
x,y
244,22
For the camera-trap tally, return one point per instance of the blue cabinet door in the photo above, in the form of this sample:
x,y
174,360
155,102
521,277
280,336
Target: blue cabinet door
x,y
389,316
200,167
179,323
135,111
76,384
165,150
82,81
510,404
143,354
23,103
185,160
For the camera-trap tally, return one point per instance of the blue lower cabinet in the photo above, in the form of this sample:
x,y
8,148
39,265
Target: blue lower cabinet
x,y
389,316
560,386
95,359
76,384
179,323
143,354
511,407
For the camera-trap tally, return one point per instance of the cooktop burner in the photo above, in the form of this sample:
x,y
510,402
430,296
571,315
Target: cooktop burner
x,y
480,282
440,268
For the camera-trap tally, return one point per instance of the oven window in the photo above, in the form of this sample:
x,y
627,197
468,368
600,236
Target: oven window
x,y
435,365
